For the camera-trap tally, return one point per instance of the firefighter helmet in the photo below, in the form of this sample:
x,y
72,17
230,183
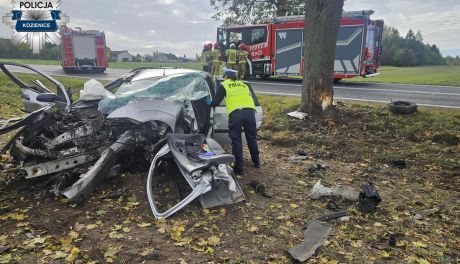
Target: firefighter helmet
x,y
242,46
216,45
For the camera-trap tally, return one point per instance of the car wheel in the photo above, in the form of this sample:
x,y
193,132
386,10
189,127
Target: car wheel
x,y
402,107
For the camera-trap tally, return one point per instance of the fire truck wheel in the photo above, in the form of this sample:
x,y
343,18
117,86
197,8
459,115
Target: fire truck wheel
x,y
100,70
336,80
402,107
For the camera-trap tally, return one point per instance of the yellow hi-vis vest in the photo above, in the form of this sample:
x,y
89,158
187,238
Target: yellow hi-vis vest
x,y
242,55
205,57
238,96
231,56
215,55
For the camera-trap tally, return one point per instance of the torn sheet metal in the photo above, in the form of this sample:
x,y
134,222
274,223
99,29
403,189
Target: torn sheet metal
x,y
45,168
209,176
93,177
315,235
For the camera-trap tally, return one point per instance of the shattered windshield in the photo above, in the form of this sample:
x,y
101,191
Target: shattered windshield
x,y
177,87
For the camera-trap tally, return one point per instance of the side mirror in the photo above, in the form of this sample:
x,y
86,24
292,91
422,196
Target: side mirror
x,y
47,98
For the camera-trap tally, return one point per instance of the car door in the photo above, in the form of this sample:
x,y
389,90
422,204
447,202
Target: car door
x,y
220,118
33,84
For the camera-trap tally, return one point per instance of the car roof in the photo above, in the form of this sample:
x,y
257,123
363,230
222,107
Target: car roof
x,y
160,72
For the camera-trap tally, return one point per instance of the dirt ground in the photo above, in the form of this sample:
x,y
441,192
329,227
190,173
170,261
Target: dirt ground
x,y
358,146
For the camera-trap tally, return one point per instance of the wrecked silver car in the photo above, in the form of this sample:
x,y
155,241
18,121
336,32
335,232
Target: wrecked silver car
x,y
154,115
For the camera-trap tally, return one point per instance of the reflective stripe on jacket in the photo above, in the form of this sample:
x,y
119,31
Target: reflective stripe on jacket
x,y
231,56
242,55
205,57
237,96
215,55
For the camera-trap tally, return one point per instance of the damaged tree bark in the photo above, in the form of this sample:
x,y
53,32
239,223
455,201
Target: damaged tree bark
x,y
322,18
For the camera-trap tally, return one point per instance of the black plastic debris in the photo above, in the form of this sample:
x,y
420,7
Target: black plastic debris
x,y
302,152
259,188
332,216
392,240
317,167
399,164
368,199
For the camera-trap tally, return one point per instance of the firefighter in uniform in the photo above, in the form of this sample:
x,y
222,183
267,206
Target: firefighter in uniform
x,y
206,57
242,56
215,60
232,56
241,114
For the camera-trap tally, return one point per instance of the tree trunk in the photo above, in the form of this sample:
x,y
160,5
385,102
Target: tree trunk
x,y
322,18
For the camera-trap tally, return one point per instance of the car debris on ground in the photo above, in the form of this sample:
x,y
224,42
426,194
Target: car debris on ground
x,y
346,193
399,164
297,114
425,213
314,236
73,146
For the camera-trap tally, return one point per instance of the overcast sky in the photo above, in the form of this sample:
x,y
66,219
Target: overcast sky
x,y
182,26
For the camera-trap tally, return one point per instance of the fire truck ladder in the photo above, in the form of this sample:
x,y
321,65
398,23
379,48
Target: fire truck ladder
x,y
283,19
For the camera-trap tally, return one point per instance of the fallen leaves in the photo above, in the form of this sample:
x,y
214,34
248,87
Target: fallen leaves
x,y
419,244
31,244
110,253
13,216
144,224
213,241
73,254
5,258
101,212
252,228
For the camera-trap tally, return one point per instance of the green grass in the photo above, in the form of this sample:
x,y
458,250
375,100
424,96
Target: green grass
x,y
429,75
368,131
448,75
10,93
118,65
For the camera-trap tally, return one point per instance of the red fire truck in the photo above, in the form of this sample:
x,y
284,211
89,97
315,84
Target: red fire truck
x,y
83,50
276,48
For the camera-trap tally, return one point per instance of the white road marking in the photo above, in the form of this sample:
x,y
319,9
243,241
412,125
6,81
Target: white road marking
x,y
366,89
357,99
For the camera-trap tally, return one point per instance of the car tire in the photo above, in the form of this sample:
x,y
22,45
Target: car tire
x,y
402,107
100,70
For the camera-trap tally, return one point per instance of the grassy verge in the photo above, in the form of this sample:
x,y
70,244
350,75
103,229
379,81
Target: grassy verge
x,y
427,138
429,75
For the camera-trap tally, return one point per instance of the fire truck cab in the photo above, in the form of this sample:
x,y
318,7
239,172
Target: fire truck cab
x,y
276,48
83,50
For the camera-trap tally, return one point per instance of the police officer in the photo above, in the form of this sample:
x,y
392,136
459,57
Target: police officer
x,y
232,55
241,114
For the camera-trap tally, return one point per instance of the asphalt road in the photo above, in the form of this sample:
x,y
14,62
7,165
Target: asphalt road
x,y
425,95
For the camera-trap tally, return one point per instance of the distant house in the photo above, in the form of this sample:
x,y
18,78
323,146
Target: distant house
x,y
163,57
122,56
185,59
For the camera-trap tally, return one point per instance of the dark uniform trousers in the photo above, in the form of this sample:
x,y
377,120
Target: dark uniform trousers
x,y
243,118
